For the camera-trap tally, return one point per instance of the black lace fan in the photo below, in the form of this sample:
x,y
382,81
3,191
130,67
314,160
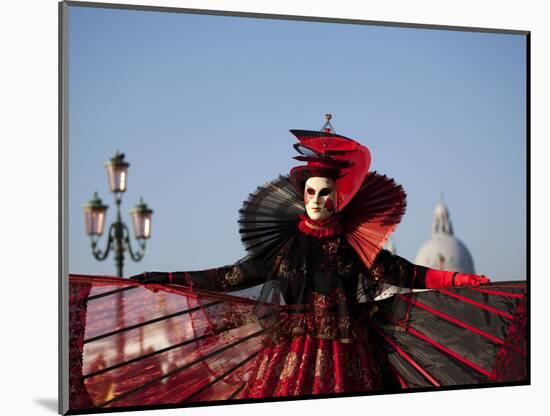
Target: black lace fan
x,y
460,335
269,218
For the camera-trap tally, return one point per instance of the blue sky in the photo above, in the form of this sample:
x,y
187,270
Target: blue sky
x,y
202,105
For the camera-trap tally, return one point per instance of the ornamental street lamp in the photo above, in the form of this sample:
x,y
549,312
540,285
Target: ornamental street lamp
x,y
117,172
141,218
94,216
118,234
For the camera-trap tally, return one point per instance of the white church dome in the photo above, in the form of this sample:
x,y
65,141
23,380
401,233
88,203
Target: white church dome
x,y
444,251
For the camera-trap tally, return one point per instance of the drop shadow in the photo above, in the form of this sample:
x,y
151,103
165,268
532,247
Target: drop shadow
x,y
49,403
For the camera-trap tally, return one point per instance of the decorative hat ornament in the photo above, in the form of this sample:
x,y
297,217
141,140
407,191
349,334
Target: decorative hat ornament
x,y
330,155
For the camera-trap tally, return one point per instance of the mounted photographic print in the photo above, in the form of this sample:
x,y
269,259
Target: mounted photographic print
x,y
264,208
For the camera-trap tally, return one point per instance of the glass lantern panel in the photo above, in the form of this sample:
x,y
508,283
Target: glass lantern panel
x,y
142,224
117,178
95,221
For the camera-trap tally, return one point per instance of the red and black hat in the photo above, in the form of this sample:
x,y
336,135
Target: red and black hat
x,y
333,156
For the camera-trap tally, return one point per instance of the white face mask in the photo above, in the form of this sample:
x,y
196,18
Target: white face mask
x,y
319,197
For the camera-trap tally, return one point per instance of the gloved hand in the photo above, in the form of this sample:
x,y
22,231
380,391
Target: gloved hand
x,y
438,279
462,279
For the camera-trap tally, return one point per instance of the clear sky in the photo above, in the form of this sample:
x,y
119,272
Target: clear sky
x,y
202,105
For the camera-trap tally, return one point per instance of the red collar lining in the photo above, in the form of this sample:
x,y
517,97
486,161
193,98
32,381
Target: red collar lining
x,y
326,228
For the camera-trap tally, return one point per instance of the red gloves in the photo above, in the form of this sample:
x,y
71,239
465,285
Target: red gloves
x,y
438,279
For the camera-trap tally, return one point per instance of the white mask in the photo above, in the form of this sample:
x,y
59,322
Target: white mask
x,y
319,197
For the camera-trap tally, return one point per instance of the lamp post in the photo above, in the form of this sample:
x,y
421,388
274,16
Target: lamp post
x,y
118,234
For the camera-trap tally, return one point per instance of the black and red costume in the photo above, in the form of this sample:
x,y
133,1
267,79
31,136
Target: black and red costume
x,y
311,325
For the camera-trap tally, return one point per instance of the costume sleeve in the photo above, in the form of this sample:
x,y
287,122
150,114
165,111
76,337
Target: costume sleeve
x,y
243,274
395,270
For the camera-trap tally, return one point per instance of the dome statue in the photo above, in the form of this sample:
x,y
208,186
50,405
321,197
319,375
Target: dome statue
x,y
444,251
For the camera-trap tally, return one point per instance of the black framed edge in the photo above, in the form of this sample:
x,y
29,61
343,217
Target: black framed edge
x,y
63,210
63,181
285,399
528,192
319,19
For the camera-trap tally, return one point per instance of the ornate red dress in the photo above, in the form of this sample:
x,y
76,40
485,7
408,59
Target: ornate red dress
x,y
317,344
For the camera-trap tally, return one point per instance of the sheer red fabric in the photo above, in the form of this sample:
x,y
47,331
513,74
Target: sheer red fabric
x,y
137,345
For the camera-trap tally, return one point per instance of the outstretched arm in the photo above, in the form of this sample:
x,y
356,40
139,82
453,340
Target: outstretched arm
x,y
242,275
395,270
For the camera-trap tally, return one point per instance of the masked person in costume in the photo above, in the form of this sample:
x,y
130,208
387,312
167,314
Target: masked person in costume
x,y
314,241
